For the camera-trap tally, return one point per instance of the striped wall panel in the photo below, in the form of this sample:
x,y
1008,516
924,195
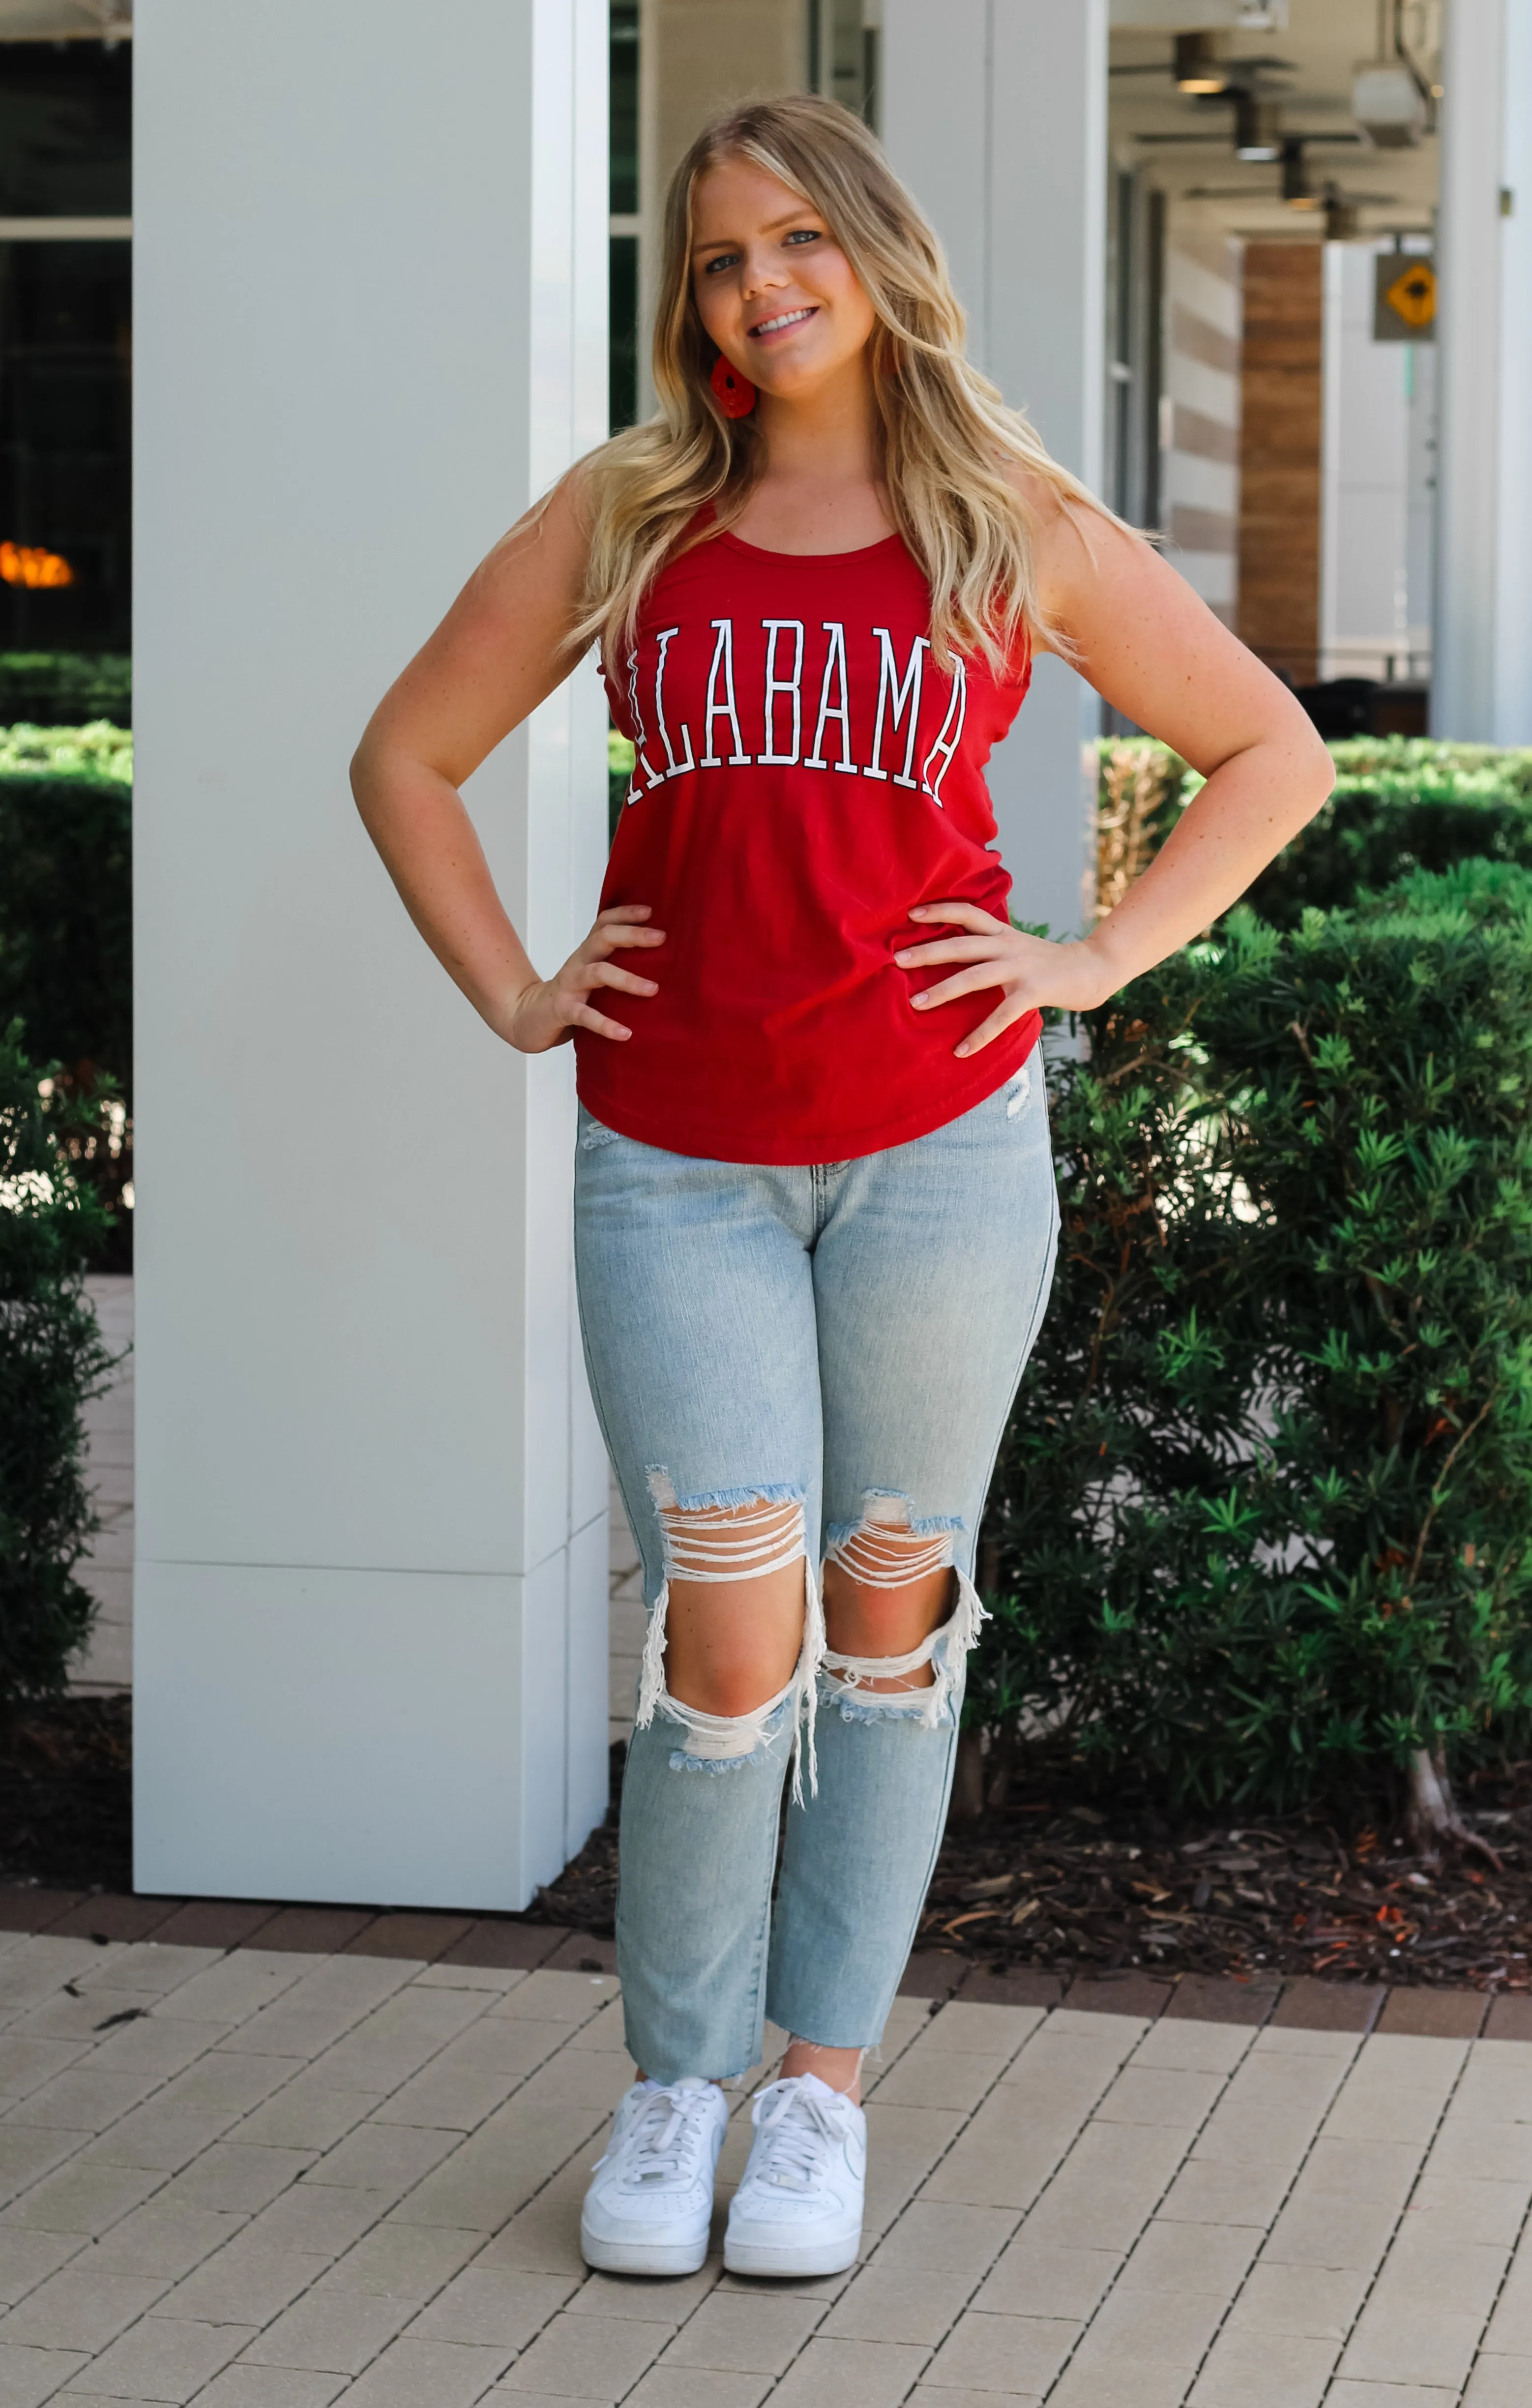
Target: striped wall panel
x,y
1200,418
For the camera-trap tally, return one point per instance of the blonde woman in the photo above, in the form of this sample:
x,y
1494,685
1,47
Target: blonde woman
x,y
815,1211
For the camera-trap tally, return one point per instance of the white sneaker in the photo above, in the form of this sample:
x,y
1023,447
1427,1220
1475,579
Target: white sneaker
x,y
649,2208
798,2210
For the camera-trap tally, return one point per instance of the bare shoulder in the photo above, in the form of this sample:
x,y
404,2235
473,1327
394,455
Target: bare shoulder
x,y
1077,546
550,541
1037,496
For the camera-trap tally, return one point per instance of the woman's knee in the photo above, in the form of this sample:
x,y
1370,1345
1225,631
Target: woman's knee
x,y
735,1575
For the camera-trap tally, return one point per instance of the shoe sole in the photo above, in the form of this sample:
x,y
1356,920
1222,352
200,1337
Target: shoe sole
x,y
763,2257
642,2256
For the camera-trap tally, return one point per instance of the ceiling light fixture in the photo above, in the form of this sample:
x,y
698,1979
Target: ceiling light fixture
x,y
1257,127
1387,105
1198,67
1297,192
1342,217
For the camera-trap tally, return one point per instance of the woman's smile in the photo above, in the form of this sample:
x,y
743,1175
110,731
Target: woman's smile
x,y
782,323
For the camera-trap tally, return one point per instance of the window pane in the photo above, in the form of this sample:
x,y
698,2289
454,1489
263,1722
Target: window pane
x,y
64,123
624,108
65,478
622,300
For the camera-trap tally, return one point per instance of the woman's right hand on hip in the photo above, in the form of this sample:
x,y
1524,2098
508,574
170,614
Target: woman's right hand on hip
x,y
549,1010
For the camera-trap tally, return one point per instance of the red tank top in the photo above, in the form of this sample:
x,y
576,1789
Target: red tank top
x,y
804,774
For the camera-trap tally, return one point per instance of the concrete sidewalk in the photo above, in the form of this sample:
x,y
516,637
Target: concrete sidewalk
x,y
264,2179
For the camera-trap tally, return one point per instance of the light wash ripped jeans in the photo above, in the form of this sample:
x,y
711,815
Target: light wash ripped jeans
x,y
844,1340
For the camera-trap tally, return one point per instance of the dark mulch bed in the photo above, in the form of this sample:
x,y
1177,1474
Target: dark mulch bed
x,y
66,1795
1060,1877
1066,1879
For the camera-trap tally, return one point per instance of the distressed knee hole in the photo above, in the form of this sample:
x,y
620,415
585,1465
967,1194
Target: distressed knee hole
x,y
721,1539
726,1537
888,1547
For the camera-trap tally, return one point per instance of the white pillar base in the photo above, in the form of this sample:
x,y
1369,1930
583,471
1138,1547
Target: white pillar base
x,y
371,254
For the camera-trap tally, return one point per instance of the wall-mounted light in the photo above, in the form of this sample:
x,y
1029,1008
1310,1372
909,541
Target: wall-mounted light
x,y
1198,66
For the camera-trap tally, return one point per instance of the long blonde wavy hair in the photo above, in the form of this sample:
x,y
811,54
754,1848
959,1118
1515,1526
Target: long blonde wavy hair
x,y
946,437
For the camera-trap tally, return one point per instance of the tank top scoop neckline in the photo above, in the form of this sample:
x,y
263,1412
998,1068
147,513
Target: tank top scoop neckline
x,y
805,772
761,551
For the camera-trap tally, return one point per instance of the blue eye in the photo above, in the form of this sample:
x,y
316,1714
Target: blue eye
x,y
725,259
804,234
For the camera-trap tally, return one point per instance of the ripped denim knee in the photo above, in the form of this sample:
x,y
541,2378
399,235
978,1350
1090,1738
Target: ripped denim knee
x,y
886,1549
726,1536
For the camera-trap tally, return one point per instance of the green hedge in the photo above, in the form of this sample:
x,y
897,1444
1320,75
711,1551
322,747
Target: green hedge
x,y
1263,1518
1377,827
66,934
1420,764
1401,804
51,1358
60,687
66,916
619,776
97,750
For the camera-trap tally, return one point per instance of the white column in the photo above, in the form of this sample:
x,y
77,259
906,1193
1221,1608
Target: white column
x,y
994,113
1482,672
1512,719
370,1591
1377,396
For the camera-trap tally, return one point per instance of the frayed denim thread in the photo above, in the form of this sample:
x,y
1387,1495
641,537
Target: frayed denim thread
x,y
720,1500
923,1526
681,1760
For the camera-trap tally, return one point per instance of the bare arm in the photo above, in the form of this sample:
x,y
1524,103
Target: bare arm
x,y
1156,653
499,652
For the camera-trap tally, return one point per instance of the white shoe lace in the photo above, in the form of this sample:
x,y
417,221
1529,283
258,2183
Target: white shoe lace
x,y
664,2141
794,2135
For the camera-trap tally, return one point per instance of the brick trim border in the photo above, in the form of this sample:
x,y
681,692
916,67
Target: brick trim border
x,y
1303,2004
498,1941
504,1942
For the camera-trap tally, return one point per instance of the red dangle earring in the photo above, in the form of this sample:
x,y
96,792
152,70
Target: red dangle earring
x,y
734,392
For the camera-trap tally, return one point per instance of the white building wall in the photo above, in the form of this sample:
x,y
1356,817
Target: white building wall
x,y
1481,679
1511,721
994,112
1378,476
370,327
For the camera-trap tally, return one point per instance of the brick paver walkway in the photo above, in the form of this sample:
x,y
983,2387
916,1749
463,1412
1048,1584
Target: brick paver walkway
x,y
264,2179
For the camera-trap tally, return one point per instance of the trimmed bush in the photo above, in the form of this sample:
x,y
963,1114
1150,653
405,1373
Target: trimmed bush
x,y
65,686
97,750
1262,1523
619,777
1381,825
51,1359
65,932
1139,790
66,917
1399,804
1419,763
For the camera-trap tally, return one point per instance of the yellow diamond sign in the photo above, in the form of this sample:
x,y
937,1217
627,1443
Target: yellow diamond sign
x,y
1409,292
